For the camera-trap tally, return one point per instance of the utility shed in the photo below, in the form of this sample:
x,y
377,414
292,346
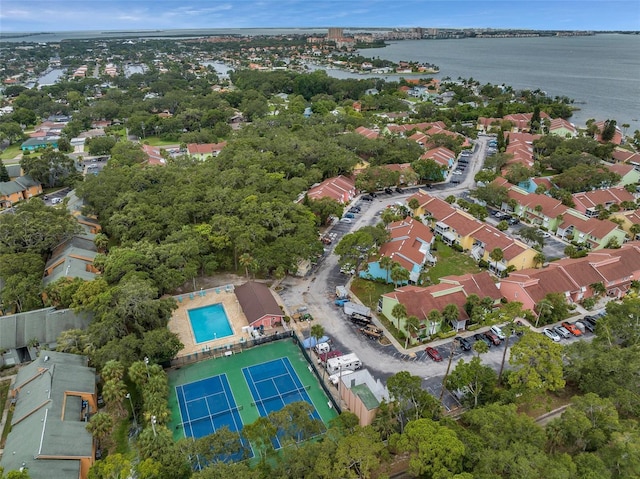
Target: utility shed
x,y
54,396
362,394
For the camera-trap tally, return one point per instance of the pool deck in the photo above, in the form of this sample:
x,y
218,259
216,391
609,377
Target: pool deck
x,y
180,324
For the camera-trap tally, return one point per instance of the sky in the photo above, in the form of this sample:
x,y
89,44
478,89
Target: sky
x,y
73,15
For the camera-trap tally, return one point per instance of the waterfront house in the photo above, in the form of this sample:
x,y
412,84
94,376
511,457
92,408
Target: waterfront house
x,y
562,128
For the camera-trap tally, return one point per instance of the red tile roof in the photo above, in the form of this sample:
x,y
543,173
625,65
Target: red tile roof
x,y
340,188
205,148
367,133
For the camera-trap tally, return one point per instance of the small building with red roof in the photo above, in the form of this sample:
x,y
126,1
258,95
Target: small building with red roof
x,y
339,188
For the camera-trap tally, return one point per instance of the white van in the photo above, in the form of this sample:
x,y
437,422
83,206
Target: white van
x,y
322,348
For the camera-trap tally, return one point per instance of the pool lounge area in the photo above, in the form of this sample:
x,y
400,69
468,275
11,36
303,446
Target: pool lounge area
x,y
209,323
219,320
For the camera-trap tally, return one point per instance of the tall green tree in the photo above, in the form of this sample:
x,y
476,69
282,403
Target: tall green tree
x,y
434,450
537,363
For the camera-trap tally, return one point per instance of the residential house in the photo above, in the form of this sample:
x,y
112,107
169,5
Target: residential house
x,y
532,184
627,221
409,245
33,144
22,188
362,394
617,135
408,177
202,151
456,227
154,155
574,278
591,232
441,155
589,202
562,128
258,305
539,209
75,205
420,302
15,171
629,174
43,325
625,156
53,398
340,188
72,259
367,132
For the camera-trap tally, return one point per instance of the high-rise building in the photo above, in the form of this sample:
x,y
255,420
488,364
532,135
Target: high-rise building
x,y
334,33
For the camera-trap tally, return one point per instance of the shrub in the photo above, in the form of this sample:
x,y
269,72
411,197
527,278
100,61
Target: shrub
x,y
483,264
457,248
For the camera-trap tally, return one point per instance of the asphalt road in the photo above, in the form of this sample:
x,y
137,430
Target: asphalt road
x,y
316,292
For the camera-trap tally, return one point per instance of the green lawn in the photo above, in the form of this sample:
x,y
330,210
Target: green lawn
x,y
155,141
11,152
369,297
451,262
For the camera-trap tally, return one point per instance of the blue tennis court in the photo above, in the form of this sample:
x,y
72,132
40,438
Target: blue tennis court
x,y
275,384
206,406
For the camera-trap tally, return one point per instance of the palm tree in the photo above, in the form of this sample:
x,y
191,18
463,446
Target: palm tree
x,y
317,331
100,425
246,260
598,288
412,323
635,230
386,263
434,317
450,313
496,255
399,274
399,311
539,259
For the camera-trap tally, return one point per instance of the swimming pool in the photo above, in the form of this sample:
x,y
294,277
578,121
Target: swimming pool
x,y
209,323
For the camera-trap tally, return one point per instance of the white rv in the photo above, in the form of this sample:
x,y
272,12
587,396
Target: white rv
x,y
348,362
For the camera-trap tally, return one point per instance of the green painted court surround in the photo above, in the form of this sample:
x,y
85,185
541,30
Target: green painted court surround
x,y
232,366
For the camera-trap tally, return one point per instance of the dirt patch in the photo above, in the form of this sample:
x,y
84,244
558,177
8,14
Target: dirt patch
x,y
545,403
217,280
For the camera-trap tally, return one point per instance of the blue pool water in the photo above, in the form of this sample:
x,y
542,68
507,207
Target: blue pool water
x,y
209,322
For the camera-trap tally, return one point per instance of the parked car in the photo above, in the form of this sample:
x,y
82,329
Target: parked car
x,y
493,338
457,172
482,337
55,201
455,181
349,215
367,198
520,328
497,214
562,332
514,221
546,234
398,189
345,220
388,191
551,334
572,328
588,325
464,343
498,332
433,353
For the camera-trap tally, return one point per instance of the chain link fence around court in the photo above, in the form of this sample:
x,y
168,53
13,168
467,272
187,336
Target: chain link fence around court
x,y
239,347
